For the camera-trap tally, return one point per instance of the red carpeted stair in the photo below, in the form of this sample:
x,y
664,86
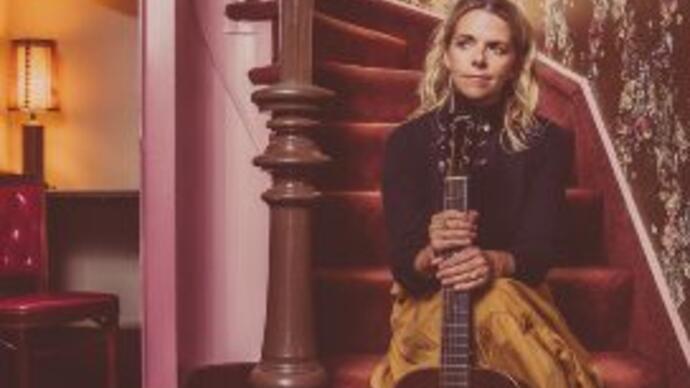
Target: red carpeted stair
x,y
369,52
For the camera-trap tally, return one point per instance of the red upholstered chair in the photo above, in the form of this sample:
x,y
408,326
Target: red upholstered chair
x,y
26,304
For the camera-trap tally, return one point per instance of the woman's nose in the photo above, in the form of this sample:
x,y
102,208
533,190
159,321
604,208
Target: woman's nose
x,y
479,57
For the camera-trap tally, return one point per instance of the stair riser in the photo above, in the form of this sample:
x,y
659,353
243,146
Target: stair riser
x,y
368,98
388,18
352,316
336,41
583,228
597,311
350,229
356,151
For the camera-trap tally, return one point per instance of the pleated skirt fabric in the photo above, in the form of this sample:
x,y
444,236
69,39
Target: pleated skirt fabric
x,y
517,330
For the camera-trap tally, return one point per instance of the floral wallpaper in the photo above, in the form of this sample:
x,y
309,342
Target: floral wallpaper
x,y
646,43
439,6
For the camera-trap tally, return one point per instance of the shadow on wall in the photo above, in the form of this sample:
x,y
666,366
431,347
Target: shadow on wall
x,y
128,7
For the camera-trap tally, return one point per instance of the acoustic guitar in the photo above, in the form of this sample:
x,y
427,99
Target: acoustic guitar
x,y
455,369
462,140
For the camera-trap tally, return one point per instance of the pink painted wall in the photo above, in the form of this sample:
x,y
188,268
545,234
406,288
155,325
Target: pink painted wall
x,y
158,194
222,244
205,227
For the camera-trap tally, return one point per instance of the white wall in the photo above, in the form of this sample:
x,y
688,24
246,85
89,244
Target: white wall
x,y
92,143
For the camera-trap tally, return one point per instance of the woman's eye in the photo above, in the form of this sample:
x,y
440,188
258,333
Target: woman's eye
x,y
498,49
462,43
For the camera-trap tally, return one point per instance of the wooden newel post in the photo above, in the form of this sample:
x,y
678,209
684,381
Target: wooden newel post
x,y
289,353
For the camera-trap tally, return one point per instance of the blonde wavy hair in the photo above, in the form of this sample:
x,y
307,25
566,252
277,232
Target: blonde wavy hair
x,y
434,89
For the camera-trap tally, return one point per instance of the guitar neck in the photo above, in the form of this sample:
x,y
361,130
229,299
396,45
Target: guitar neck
x,y
456,325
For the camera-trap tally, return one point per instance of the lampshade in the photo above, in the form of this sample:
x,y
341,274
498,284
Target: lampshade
x,y
34,70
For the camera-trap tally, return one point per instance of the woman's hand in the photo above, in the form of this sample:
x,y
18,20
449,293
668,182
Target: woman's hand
x,y
452,230
472,267
464,270
448,230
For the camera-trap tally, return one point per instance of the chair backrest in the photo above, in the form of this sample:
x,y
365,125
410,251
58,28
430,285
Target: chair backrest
x,y
23,249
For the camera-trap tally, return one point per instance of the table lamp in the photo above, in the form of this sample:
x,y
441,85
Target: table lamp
x,y
33,91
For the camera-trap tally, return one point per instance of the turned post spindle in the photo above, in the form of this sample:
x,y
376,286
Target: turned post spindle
x,y
288,356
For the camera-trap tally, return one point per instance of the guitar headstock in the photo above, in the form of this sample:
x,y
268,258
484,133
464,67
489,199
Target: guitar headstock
x,y
466,137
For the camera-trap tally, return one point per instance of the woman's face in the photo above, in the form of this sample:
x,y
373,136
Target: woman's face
x,y
481,57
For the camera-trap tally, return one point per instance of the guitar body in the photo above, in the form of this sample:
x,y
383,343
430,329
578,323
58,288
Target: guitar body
x,y
480,378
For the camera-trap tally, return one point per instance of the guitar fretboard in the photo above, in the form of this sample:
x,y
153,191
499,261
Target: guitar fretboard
x,y
456,325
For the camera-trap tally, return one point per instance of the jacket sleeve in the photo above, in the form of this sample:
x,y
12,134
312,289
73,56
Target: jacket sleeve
x,y
406,209
540,235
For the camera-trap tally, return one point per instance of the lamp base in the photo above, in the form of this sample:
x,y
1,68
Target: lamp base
x,y
32,150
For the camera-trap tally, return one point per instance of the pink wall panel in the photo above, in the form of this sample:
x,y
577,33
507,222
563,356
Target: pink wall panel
x,y
205,242
158,194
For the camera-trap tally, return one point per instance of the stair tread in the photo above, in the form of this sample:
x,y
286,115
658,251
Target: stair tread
x,y
269,74
597,274
403,14
627,370
379,273
617,369
255,10
571,192
369,125
375,71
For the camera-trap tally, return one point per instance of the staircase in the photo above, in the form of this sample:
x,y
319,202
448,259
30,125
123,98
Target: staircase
x,y
369,52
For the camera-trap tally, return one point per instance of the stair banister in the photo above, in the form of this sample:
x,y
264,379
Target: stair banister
x,y
288,356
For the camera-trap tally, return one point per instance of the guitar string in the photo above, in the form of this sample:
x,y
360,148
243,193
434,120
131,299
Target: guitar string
x,y
454,303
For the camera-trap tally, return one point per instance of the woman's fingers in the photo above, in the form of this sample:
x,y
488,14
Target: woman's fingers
x,y
443,245
465,277
453,234
464,270
446,216
470,285
446,263
445,240
462,262
452,226
452,229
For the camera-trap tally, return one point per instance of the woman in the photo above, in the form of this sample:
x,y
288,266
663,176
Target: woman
x,y
480,67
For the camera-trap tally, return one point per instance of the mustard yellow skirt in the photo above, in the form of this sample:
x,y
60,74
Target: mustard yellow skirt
x,y
517,330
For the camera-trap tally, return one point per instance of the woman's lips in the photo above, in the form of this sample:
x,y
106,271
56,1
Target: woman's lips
x,y
477,79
